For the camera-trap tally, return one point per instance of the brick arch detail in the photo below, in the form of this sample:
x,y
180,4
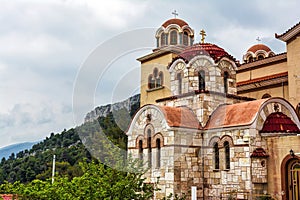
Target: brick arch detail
x,y
140,137
155,137
214,140
225,138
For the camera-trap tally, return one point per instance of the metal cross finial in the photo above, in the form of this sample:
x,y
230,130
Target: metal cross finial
x,y
258,39
175,13
203,34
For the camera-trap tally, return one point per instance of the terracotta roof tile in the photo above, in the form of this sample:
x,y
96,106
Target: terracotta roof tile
x,y
180,117
177,21
259,153
279,123
234,115
265,78
257,47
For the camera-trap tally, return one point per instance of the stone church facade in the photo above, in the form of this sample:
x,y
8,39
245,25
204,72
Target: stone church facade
x,y
209,122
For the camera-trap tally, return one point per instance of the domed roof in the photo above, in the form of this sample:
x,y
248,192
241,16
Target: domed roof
x,y
208,49
179,22
258,47
278,122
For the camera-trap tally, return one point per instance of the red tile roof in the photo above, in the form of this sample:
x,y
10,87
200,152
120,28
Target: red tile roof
x,y
265,78
279,123
238,114
177,21
180,117
259,153
257,47
204,49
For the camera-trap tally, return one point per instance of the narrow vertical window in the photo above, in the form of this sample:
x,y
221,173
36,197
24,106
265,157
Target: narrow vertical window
x,y
226,76
173,37
151,82
158,153
141,150
163,39
149,148
185,39
227,155
159,79
201,77
179,79
216,154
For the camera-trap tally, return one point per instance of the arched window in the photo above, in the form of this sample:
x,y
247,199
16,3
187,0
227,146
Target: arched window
x,y
141,149
179,79
216,155
151,82
158,153
159,79
149,132
250,59
226,76
201,77
155,80
260,57
227,154
185,39
173,37
163,39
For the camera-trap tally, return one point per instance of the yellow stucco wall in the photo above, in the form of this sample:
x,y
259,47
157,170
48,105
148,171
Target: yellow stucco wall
x,y
278,149
261,72
293,57
161,63
280,91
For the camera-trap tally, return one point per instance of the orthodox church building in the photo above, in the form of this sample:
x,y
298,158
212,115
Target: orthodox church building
x,y
208,122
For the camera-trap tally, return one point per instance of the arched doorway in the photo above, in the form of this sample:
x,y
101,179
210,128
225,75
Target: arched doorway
x,y
294,180
291,177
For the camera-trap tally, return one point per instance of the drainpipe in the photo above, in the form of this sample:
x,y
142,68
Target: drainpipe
x,y
202,155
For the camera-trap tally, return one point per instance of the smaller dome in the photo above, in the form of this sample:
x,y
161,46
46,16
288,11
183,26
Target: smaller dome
x,y
258,47
278,122
179,22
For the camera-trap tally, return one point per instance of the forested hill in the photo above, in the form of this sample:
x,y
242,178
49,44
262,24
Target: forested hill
x,y
36,163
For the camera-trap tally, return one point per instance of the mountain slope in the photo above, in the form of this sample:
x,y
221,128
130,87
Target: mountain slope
x,y
15,148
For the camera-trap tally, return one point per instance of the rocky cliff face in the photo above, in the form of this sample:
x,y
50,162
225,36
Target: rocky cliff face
x,y
131,105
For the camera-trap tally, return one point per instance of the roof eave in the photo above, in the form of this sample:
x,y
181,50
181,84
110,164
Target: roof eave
x,y
289,34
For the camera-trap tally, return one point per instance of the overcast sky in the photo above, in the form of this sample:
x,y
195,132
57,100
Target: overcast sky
x,y
45,44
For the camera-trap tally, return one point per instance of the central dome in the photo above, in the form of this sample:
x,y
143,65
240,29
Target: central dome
x,y
208,49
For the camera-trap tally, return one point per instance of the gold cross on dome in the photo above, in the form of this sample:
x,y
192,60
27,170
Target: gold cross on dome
x,y
203,34
175,13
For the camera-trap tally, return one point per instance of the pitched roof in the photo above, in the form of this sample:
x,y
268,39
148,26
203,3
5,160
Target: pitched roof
x,y
289,34
265,78
279,123
267,61
180,117
238,114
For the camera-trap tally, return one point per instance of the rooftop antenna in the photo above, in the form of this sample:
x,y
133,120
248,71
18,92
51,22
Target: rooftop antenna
x,y
175,13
